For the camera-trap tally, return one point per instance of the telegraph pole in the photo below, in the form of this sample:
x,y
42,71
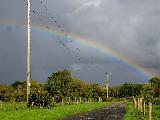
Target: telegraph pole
x,y
107,81
29,50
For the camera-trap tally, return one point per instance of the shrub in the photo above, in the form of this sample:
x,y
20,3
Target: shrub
x,y
156,101
42,100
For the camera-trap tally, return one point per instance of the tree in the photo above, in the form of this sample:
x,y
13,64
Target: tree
x,y
58,84
129,90
76,88
114,91
150,90
155,83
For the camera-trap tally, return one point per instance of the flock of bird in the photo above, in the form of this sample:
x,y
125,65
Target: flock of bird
x,y
59,27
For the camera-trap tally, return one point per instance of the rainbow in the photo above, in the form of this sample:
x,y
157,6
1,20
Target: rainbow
x,y
89,43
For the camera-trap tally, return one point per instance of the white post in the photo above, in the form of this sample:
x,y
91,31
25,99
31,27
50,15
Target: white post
x,y
28,50
107,81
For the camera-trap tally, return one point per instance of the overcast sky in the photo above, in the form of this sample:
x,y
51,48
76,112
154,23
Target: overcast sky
x,y
129,27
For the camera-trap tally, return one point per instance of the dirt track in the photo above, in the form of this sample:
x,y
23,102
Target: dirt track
x,y
113,112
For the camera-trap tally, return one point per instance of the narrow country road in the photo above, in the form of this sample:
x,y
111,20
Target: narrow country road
x,y
113,112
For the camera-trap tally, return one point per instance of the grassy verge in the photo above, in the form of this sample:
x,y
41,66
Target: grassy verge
x,y
155,114
23,113
132,113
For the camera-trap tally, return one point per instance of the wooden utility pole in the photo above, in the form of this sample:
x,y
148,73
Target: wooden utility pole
x,y
107,88
107,81
29,50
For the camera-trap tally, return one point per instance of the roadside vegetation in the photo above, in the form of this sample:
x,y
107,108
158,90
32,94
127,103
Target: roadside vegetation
x,y
146,104
132,113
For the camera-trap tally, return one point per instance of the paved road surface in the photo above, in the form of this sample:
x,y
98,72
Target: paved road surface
x,y
113,112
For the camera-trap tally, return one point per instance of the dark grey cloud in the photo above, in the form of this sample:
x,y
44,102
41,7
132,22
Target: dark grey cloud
x,y
132,28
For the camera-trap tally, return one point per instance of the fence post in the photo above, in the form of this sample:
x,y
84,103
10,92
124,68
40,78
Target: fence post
x,y
138,104
144,107
99,99
75,100
150,108
52,101
141,108
135,103
1,103
80,99
69,100
62,101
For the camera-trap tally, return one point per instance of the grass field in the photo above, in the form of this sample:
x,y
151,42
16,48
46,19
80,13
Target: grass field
x,y
19,111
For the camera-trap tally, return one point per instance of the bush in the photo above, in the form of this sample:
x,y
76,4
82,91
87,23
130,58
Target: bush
x,y
41,100
156,101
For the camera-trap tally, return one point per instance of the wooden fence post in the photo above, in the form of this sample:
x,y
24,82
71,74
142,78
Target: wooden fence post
x,y
135,103
62,101
52,101
144,107
80,99
141,108
75,100
69,100
1,103
150,108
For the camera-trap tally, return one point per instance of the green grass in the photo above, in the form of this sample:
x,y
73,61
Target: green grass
x,y
20,112
8,106
155,113
132,113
